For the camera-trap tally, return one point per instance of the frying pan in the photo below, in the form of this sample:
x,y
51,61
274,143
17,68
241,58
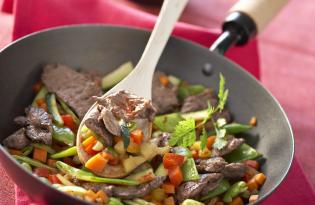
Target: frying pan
x,y
105,47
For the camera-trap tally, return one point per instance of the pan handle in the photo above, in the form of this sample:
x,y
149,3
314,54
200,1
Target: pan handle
x,y
245,20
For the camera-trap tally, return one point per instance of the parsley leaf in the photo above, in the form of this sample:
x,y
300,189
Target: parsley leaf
x,y
203,138
184,133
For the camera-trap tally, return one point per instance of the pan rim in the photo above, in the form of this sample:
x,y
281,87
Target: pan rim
x,y
244,72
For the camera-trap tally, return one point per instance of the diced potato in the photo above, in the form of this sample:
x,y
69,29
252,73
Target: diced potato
x,y
205,153
163,150
196,145
158,194
119,148
148,150
133,162
133,148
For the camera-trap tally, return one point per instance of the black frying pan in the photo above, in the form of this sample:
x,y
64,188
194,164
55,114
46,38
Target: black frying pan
x,y
104,48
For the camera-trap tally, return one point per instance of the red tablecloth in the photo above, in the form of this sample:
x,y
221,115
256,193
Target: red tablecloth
x,y
33,15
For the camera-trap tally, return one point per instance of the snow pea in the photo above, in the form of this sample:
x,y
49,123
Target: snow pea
x,y
236,189
65,153
53,109
234,128
32,162
40,95
244,152
63,134
189,170
223,187
68,110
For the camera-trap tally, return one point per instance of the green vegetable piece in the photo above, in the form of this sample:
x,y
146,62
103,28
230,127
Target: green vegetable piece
x,y
141,176
223,187
223,93
203,138
182,151
161,171
114,201
32,162
68,110
244,152
189,170
44,147
130,202
167,123
125,132
40,95
27,166
142,202
192,202
65,153
234,190
27,150
116,75
63,134
88,176
185,91
198,115
235,128
174,80
53,109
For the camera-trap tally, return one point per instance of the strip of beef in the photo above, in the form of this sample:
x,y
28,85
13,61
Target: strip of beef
x,y
162,139
211,165
39,127
110,121
164,97
17,140
199,102
213,183
234,170
192,189
94,123
232,144
73,87
127,192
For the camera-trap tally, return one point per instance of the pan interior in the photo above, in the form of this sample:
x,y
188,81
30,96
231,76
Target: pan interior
x,y
104,48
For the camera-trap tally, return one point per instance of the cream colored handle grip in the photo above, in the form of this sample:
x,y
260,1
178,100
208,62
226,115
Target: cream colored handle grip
x,y
261,11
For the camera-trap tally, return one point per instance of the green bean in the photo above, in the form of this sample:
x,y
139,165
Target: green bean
x,y
65,153
223,187
40,95
244,152
88,176
185,91
63,134
130,202
27,150
27,166
44,147
53,109
114,201
68,110
142,202
236,189
192,202
234,128
32,162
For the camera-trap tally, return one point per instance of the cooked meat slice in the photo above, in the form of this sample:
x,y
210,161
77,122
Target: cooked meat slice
x,y
212,183
127,106
93,75
108,189
97,126
199,102
110,121
233,143
71,86
211,165
39,127
17,140
164,97
162,139
234,170
130,192
192,189
226,114
20,120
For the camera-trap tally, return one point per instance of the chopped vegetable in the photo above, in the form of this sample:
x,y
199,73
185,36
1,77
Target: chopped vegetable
x,y
98,146
182,151
235,128
237,201
116,75
15,152
119,148
252,163
173,160
185,91
88,176
167,123
97,163
236,189
142,176
137,136
51,162
223,187
132,162
205,153
26,166
54,179
253,198
161,171
174,80
53,109
260,178
40,154
64,181
197,115
42,172
148,150
210,141
168,188
253,121
65,153
27,150
244,152
73,190
189,170
158,194
169,201
63,134
44,147
69,122
32,162
164,80
252,184
114,201
68,110
40,95
101,197
191,202
133,147
175,175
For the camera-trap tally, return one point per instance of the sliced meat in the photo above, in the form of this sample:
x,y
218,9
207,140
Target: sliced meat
x,y
73,87
199,102
162,139
213,183
233,143
234,170
110,121
131,192
39,127
17,140
97,126
93,75
192,189
211,165
127,106
164,97
20,120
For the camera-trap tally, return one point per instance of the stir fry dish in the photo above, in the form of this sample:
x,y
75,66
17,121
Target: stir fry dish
x,y
183,147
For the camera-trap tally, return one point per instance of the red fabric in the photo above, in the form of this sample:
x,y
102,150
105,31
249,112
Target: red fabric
x,y
33,15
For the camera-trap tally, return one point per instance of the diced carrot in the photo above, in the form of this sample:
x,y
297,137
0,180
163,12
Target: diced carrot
x,y
137,136
54,179
252,163
175,175
237,201
260,178
37,86
173,160
252,184
195,154
40,154
133,147
69,122
168,188
253,198
51,162
41,103
210,142
91,195
169,201
89,150
96,163
247,177
164,80
101,197
42,172
253,121
147,197
156,202
91,140
117,139
15,152
219,203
